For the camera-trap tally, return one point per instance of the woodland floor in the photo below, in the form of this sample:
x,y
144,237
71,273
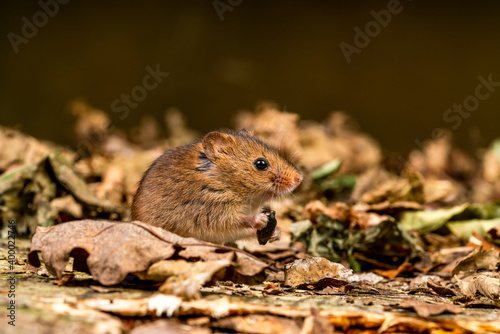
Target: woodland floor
x,y
373,241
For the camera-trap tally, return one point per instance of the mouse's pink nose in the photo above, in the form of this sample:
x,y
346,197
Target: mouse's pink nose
x,y
297,180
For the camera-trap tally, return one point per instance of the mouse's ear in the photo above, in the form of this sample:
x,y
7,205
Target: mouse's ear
x,y
217,143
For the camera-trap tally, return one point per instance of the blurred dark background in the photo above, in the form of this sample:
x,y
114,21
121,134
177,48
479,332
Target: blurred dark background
x,y
426,59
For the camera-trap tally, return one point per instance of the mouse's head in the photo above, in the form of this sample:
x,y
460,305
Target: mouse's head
x,y
249,166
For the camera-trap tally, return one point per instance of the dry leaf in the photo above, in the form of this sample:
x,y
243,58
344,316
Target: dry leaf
x,y
355,216
111,250
389,208
18,147
393,273
67,204
111,187
425,309
316,271
441,290
316,324
164,326
339,211
478,259
256,323
185,278
487,286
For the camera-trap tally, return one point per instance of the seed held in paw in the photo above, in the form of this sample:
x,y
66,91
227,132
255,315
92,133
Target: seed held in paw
x,y
267,232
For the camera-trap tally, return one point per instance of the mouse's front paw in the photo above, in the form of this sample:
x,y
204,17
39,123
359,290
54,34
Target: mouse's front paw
x,y
258,222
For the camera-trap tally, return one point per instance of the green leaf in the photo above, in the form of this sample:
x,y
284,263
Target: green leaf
x,y
327,169
480,211
348,181
428,221
335,241
464,228
300,228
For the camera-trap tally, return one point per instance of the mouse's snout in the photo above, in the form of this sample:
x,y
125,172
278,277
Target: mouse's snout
x,y
296,180
285,181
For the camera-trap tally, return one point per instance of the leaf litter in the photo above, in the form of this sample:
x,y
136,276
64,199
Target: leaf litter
x,y
371,240
110,251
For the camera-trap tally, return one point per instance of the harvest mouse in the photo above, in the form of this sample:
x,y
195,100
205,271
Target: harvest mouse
x,y
215,189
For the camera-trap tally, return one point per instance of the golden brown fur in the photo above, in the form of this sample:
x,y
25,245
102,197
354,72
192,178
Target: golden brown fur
x,y
211,189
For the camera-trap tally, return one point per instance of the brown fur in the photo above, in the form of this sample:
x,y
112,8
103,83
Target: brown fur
x,y
210,188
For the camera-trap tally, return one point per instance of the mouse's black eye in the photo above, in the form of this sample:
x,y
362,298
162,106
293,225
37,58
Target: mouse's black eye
x,y
261,164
